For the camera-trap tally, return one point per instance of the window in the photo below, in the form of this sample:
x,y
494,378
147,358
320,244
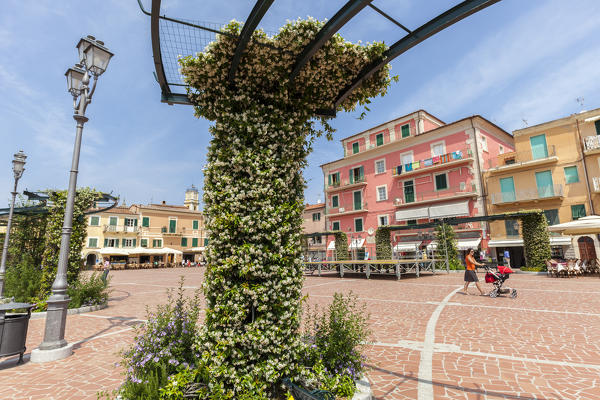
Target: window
x,y
172,225
156,242
144,242
407,158
111,242
316,217
484,145
383,220
409,192
205,241
334,179
335,226
355,147
411,222
545,187
183,242
379,166
358,225
379,139
195,224
112,221
335,201
597,123
381,193
512,227
405,130
500,149
438,149
507,187
578,211
358,200
128,242
441,182
94,221
552,216
130,222
194,242
538,147
571,175
93,243
357,174
146,222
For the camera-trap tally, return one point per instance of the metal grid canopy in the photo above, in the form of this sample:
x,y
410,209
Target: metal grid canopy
x,y
172,38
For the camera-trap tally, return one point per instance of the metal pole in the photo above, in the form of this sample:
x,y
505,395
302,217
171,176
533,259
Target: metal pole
x,y
6,239
445,247
56,318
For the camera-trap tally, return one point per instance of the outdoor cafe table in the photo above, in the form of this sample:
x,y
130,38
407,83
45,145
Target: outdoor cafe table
x,y
368,266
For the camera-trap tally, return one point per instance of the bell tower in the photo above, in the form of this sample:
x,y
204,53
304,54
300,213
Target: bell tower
x,y
191,198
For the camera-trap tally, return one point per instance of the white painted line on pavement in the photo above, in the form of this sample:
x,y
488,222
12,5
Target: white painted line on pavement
x,y
425,386
102,336
329,283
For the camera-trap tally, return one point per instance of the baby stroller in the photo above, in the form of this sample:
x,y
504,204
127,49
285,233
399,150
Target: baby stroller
x,y
498,278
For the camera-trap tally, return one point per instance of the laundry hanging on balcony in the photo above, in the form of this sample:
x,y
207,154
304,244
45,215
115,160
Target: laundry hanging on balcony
x,y
436,159
408,167
416,165
428,162
457,155
399,170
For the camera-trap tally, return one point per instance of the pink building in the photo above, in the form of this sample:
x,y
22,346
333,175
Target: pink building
x,y
411,170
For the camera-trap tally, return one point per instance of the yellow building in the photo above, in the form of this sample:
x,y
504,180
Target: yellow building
x,y
158,234
547,171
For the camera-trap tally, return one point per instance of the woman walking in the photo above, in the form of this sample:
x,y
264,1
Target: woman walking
x,y
470,273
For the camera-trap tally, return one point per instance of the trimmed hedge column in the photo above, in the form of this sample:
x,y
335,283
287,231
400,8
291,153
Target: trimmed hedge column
x,y
536,240
253,193
383,243
341,246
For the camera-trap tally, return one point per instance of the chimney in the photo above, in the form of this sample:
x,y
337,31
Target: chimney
x,y
164,202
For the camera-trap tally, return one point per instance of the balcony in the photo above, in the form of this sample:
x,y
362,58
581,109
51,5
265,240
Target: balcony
x,y
592,144
521,160
444,161
456,192
346,210
356,182
120,229
529,195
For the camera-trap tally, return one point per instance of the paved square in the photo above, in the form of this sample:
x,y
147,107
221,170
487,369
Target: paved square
x,y
428,340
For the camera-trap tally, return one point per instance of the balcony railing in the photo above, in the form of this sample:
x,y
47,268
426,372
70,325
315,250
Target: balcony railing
x,y
120,229
592,143
540,193
356,180
432,162
435,195
520,157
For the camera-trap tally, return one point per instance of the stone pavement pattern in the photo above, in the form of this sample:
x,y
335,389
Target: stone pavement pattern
x,y
428,340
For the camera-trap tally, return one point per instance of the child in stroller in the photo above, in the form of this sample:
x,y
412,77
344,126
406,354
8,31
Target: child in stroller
x,y
497,278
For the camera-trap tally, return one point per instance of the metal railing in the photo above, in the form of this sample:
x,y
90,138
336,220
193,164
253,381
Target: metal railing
x,y
518,157
592,142
347,182
539,193
120,228
434,194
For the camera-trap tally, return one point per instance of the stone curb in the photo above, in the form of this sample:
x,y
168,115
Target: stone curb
x,y
72,311
363,390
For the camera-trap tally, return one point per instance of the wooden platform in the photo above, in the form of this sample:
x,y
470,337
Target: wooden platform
x,y
379,267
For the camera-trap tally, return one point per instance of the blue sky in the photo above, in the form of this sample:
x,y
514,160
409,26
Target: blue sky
x,y
515,60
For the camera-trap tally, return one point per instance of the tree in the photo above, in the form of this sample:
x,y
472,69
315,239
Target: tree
x,y
536,240
263,131
446,239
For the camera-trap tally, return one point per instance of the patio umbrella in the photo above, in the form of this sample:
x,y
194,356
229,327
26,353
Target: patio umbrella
x,y
582,226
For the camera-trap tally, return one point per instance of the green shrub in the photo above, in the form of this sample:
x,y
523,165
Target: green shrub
x,y
23,281
383,243
163,346
341,246
446,239
536,240
89,291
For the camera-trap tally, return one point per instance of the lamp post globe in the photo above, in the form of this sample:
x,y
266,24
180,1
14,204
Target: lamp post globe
x,y
93,61
18,168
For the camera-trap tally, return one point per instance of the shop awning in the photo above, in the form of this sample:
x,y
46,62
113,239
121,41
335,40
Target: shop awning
x,y
331,245
581,226
560,240
554,241
195,249
433,245
357,243
168,250
407,246
412,213
113,251
467,244
457,209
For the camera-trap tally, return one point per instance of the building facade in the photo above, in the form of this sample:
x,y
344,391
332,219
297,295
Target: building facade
x,y
410,170
313,223
555,167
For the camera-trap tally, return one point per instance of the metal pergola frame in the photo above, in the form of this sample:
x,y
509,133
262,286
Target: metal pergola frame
x,y
42,207
345,14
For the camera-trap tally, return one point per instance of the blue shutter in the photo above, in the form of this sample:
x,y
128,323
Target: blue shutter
x,y
539,149
544,184
507,186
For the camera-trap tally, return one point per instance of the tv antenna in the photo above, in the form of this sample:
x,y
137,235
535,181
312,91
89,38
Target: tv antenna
x,y
525,122
580,101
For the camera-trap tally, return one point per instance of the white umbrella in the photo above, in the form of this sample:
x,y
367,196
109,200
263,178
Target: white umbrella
x,y
581,226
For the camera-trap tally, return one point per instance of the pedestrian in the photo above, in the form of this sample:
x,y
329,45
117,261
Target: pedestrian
x,y
506,258
470,273
106,271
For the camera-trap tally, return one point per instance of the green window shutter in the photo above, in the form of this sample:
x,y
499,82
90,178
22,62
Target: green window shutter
x,y
336,226
146,222
123,242
597,123
95,221
134,242
379,139
357,200
409,192
551,216
351,175
93,242
571,175
335,202
116,242
172,225
112,221
544,184
195,224
144,242
539,149
405,130
329,179
361,173
135,222
105,242
358,225
183,242
440,182
507,187
578,211
355,148
205,241
194,242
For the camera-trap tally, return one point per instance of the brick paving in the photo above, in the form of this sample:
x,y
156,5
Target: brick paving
x,y
427,342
